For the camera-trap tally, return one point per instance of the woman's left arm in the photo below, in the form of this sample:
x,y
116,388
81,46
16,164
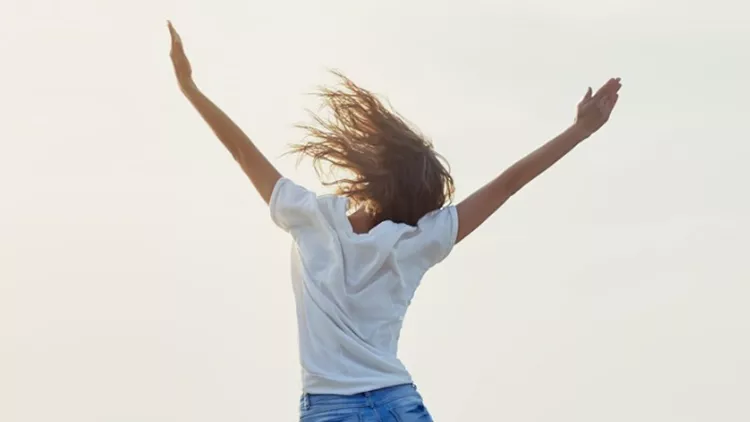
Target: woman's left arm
x,y
256,166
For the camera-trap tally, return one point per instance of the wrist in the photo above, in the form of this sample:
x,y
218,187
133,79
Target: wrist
x,y
188,87
579,132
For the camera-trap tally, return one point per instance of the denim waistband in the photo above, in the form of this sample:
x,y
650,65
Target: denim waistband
x,y
372,398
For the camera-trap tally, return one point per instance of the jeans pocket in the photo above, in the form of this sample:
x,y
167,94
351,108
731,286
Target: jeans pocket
x,y
341,415
411,409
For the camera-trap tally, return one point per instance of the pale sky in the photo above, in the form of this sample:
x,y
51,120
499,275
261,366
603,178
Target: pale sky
x,y
141,279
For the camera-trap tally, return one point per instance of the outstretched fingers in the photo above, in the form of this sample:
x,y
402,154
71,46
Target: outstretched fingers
x,y
173,33
606,104
609,88
606,97
589,94
179,59
176,40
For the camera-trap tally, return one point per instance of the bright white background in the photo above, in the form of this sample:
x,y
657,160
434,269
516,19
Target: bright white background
x,y
141,279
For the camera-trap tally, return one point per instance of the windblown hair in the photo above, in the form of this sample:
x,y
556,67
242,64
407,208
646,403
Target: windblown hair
x,y
393,171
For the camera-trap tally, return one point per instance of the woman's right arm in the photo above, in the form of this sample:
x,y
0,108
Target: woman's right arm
x,y
593,112
256,166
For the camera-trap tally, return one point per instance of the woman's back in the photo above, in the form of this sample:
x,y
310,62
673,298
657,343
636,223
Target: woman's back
x,y
352,290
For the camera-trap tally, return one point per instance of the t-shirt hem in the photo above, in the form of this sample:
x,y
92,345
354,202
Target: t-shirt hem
x,y
356,388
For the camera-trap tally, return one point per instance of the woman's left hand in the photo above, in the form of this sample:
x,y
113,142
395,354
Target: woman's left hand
x,y
181,64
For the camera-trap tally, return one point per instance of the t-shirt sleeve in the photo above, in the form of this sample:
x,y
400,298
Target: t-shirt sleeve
x,y
438,235
292,206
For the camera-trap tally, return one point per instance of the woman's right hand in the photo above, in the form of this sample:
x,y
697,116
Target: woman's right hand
x,y
594,109
181,64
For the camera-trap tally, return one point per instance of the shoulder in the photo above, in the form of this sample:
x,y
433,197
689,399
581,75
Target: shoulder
x,y
434,237
293,206
446,217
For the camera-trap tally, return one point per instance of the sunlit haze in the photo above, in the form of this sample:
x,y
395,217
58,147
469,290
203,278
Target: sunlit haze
x,y
141,278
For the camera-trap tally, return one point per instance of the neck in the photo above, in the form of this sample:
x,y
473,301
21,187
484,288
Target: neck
x,y
361,221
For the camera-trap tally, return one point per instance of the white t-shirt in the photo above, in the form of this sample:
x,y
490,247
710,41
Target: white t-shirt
x,y
352,290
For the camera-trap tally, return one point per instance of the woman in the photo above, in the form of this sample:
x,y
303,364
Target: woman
x,y
361,253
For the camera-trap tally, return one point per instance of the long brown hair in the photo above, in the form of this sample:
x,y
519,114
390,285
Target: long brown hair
x,y
393,171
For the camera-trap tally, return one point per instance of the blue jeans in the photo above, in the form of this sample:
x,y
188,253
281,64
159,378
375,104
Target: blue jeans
x,y
401,403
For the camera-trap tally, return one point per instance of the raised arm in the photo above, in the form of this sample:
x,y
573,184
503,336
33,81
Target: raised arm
x,y
256,166
593,112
